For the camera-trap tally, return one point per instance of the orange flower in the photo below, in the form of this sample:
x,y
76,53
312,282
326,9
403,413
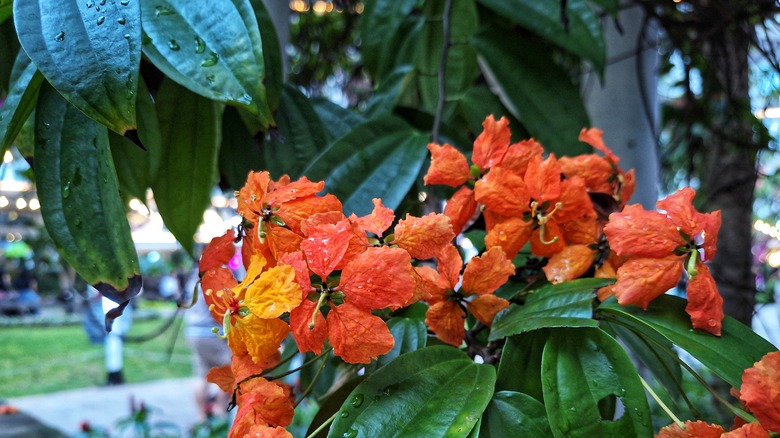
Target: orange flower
x,y
481,277
693,429
659,246
570,263
760,390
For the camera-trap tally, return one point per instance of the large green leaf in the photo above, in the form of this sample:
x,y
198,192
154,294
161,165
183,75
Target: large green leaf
x,y
299,139
188,167
568,304
89,51
582,37
238,153
520,368
534,89
19,104
380,30
378,159
386,95
436,391
330,406
514,414
410,334
727,355
581,368
272,54
9,49
212,48
336,120
6,10
79,194
148,130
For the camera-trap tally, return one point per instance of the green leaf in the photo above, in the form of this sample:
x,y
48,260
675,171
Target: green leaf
x,y
89,52
514,414
188,167
336,120
478,102
19,104
380,29
131,167
378,159
582,367
436,391
79,194
410,334
583,37
301,136
9,49
148,131
567,304
388,92
520,368
610,6
534,89
238,153
728,355
331,405
212,48
6,10
272,54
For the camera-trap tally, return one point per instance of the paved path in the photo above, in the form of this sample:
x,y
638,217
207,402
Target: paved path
x,y
169,400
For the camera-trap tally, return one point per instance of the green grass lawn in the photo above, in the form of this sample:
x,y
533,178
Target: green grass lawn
x,y
35,360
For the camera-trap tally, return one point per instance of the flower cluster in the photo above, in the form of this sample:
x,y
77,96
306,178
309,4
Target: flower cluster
x,y
323,277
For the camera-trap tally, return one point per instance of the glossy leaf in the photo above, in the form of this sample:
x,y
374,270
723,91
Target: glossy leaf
x,y
188,167
300,137
238,152
534,89
6,10
336,120
19,104
9,50
89,52
380,30
378,159
436,391
212,48
582,36
410,334
148,130
388,92
513,413
581,367
331,406
520,368
566,304
728,355
272,54
79,194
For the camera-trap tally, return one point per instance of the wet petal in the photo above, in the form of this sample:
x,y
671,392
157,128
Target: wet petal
x,y
486,273
485,307
570,263
760,390
357,336
693,429
492,143
308,338
257,337
423,237
503,192
379,220
218,252
448,166
379,277
705,305
461,208
636,231
274,293
446,319
641,280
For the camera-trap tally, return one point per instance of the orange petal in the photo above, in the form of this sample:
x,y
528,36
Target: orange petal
x,y
461,208
274,293
575,201
641,280
251,197
429,285
448,166
281,241
749,430
548,240
450,263
379,220
294,190
486,273
543,178
520,154
325,246
569,263
705,305
503,192
302,274
218,279
510,234
492,143
308,339
760,390
357,336
379,277
260,430
485,307
294,212
222,377
267,404
636,231
697,429
424,236
257,337
594,137
243,366
218,252
446,319
597,172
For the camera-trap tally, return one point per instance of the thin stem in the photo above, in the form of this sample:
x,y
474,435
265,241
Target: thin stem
x,y
313,381
442,70
307,363
661,403
322,426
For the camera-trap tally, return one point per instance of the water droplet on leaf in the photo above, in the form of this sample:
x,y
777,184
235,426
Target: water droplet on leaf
x,y
357,400
351,433
344,414
66,188
121,21
200,46
60,37
162,10
101,19
210,60
124,2
173,45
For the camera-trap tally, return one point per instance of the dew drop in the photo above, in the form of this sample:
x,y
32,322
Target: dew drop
x,y
200,46
344,414
121,21
90,4
46,125
173,45
101,19
357,400
210,60
66,188
102,2
351,433
162,10
124,2
211,78
60,37
247,100
127,36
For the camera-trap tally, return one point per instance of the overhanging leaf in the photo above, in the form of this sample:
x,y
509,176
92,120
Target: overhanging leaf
x,y
212,48
378,159
19,104
581,37
272,54
238,152
513,413
6,10
534,89
89,51
188,167
436,391
580,368
410,334
568,304
79,194
728,355
520,368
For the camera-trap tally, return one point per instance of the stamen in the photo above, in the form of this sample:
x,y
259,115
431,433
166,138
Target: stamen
x,y
542,238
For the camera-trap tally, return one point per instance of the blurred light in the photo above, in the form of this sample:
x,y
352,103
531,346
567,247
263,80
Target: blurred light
x,y
35,204
773,258
219,201
320,7
299,5
766,229
768,113
10,237
233,203
153,257
3,202
21,203
422,196
8,157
